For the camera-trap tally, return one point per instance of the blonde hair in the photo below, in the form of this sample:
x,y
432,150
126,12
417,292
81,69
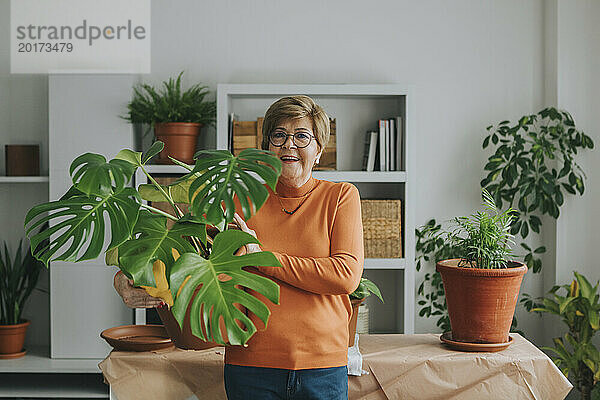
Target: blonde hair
x,y
293,107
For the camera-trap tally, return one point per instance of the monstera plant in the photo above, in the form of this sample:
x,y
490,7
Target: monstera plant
x,y
198,269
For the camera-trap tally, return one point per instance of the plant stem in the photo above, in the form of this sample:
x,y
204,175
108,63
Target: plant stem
x,y
161,212
162,191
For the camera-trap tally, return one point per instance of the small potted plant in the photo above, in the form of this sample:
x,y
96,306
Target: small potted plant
x,y
18,278
203,276
176,115
482,285
364,290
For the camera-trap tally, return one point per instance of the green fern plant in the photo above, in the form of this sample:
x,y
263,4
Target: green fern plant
x,y
139,234
170,103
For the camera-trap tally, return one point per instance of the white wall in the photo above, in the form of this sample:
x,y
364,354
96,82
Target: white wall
x,y
472,63
579,92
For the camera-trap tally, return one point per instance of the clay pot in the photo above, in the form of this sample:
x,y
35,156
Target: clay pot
x,y
22,160
180,140
352,324
183,339
12,339
481,302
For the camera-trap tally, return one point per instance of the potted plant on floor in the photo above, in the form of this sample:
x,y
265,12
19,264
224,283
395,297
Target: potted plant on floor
x,y
364,290
18,278
576,354
176,116
203,277
482,285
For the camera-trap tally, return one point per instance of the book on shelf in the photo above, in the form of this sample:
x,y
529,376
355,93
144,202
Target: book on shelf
x,y
382,149
370,155
232,117
392,152
391,142
399,143
367,143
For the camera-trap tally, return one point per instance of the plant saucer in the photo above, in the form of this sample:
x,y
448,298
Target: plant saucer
x,y
446,338
10,356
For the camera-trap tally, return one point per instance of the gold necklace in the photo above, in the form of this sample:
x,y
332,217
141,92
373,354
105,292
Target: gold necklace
x,y
299,205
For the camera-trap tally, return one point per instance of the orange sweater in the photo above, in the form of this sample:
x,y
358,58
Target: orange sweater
x,y
321,250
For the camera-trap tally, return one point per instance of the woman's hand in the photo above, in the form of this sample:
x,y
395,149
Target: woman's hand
x,y
134,297
250,247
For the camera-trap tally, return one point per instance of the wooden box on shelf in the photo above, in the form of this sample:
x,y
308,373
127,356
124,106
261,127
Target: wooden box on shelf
x,y
382,228
248,134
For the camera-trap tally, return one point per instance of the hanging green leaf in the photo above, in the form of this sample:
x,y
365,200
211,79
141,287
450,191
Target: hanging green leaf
x,y
154,241
227,175
80,219
92,175
222,280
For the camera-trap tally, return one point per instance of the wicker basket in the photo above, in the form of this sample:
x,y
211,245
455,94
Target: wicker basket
x,y
382,225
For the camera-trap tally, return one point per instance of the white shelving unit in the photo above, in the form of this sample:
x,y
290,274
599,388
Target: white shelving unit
x,y
36,375
357,108
24,179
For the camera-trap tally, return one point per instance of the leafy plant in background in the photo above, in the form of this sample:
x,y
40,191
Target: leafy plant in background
x,y
523,169
483,239
18,278
576,355
171,103
141,237
364,290
523,172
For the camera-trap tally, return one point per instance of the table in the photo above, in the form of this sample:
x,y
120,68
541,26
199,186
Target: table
x,y
399,366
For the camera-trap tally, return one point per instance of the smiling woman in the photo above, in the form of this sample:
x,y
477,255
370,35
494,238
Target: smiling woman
x,y
314,228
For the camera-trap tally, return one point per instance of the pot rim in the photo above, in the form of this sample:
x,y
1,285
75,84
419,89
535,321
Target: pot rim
x,y
178,123
25,323
449,265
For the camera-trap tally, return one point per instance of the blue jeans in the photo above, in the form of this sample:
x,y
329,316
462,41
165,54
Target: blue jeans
x,y
255,383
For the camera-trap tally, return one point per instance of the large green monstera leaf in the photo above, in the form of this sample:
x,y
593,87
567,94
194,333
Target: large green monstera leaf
x,y
223,175
155,242
218,277
92,175
79,218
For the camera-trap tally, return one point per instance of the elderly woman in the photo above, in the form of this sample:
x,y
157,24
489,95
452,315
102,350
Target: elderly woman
x,y
314,229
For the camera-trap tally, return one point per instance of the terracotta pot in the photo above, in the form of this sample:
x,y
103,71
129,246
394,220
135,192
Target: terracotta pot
x,y
12,339
481,302
180,140
184,339
352,324
22,160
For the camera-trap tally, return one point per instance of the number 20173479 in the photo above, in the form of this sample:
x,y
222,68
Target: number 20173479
x,y
44,47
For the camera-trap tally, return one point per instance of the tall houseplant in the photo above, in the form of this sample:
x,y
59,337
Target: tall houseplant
x,y
575,352
176,115
482,285
18,278
200,273
522,172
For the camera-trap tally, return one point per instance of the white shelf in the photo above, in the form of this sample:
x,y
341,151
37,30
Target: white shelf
x,y
37,360
23,179
385,263
53,386
335,176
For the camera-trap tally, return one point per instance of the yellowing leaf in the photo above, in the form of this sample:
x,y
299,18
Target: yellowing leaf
x,y
579,313
162,287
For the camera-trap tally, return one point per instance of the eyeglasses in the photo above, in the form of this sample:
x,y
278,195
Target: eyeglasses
x,y
300,139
